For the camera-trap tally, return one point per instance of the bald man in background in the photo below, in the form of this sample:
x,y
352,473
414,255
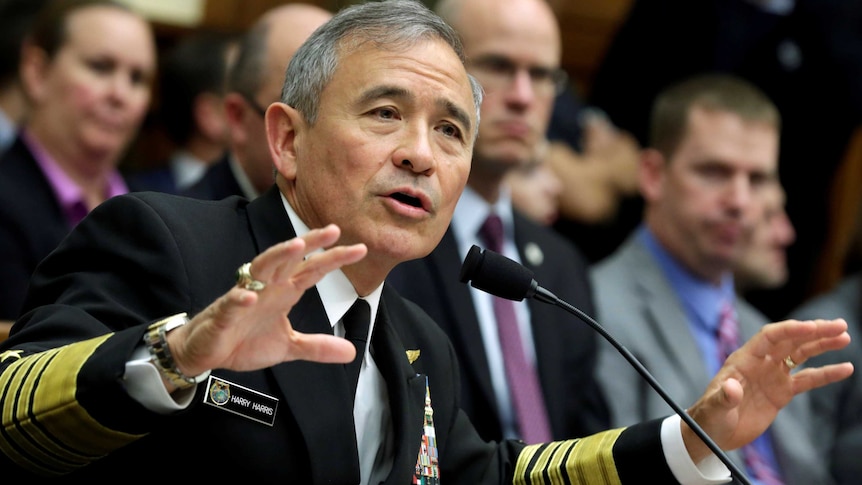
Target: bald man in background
x,y
254,82
514,50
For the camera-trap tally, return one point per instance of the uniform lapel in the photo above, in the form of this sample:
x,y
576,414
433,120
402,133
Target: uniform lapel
x,y
447,264
319,393
406,391
269,222
314,393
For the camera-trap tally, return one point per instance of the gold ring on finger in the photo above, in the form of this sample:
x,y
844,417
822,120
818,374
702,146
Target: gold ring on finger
x,y
245,280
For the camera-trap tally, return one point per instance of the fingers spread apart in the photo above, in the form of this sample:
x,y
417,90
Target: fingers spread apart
x,y
792,342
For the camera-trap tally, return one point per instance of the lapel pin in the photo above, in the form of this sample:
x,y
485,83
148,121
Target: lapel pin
x,y
534,254
412,355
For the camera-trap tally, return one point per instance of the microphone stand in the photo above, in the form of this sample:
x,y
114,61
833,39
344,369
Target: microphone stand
x,y
546,296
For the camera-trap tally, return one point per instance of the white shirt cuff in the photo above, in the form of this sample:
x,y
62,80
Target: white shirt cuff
x,y
144,384
708,472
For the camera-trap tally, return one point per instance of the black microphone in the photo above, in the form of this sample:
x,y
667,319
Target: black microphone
x,y
498,275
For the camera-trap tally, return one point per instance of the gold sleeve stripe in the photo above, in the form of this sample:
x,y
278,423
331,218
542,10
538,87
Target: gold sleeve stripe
x,y
21,447
45,429
583,461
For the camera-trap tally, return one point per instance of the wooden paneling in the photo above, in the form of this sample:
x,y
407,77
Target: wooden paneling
x,y
238,15
587,27
842,249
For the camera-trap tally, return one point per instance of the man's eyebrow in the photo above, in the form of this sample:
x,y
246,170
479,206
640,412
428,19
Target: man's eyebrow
x,y
491,57
379,92
503,60
456,112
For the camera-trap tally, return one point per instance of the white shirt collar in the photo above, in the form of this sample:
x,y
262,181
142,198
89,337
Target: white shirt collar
x,y
470,214
242,179
336,291
186,168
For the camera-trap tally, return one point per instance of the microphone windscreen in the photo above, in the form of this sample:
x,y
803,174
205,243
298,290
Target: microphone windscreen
x,y
468,268
496,274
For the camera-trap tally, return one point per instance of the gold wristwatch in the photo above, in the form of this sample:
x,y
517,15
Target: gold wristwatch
x,y
160,352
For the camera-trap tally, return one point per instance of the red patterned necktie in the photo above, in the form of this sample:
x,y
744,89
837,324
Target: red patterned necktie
x,y
524,388
728,341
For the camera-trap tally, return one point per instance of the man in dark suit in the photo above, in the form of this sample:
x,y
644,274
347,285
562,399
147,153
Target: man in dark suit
x,y
106,373
839,407
253,82
563,350
191,112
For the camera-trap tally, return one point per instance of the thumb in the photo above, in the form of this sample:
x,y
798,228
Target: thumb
x,y
322,348
715,411
730,395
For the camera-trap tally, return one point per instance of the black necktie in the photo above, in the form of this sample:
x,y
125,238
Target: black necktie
x,y
356,322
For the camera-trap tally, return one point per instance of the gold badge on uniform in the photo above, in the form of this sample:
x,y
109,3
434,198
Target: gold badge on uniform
x,y
412,355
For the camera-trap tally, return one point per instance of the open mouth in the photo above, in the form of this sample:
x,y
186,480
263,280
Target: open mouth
x,y
407,199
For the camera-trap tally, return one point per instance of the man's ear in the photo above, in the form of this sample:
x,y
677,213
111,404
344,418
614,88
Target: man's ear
x,y
234,111
34,67
651,173
282,122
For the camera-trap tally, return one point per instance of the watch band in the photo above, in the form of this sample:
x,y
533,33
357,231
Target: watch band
x,y
160,352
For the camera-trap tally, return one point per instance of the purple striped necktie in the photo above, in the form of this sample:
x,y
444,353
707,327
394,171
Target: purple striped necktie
x,y
522,377
728,340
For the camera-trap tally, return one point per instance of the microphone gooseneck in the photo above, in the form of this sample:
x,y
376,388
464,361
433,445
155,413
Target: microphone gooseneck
x,y
498,275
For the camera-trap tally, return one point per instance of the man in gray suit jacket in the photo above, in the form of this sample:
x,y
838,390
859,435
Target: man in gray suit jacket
x,y
713,159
